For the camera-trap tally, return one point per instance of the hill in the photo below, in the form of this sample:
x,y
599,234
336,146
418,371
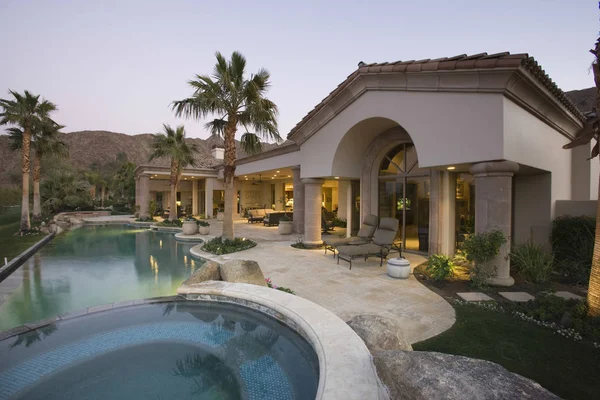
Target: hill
x,y
92,148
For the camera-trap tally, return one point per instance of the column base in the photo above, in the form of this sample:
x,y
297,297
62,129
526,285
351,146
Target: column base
x,y
507,281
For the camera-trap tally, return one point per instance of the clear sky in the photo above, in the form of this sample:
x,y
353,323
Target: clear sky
x,y
117,65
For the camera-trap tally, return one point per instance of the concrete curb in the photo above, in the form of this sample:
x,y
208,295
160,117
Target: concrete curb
x,y
16,262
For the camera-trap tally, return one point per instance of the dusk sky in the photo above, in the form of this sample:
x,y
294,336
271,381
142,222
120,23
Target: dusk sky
x,y
117,65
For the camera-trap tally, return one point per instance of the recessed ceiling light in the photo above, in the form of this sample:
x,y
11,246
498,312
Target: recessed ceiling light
x,y
245,176
277,171
337,177
272,178
451,168
289,176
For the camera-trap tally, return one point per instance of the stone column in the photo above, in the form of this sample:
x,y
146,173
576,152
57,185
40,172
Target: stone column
x,y
434,211
209,197
313,189
343,202
493,210
195,197
279,196
298,224
448,213
144,194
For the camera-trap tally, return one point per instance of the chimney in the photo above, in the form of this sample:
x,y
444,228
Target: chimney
x,y
217,152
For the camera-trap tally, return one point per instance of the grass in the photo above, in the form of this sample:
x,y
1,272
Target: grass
x,y
12,245
566,368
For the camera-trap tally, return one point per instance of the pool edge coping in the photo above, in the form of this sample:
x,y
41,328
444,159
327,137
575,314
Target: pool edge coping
x,y
16,262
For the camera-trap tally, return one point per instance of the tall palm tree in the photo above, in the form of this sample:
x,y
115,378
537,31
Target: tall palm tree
x,y
591,130
172,144
45,143
236,102
26,111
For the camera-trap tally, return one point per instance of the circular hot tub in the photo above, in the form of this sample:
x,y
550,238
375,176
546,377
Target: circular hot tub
x,y
165,350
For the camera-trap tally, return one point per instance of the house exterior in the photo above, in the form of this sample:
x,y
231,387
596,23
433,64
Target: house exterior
x,y
447,146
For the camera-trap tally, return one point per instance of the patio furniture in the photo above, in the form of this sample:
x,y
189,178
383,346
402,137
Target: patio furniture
x,y
326,221
369,225
383,242
272,218
257,215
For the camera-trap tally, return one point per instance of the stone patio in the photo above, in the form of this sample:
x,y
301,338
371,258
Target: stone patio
x,y
366,289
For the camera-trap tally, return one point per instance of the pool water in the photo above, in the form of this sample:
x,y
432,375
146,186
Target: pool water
x,y
96,265
173,350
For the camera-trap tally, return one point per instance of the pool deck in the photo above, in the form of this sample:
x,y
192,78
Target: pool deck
x,y
366,289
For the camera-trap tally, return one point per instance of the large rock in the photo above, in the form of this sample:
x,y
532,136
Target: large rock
x,y
379,333
242,271
417,375
208,272
54,228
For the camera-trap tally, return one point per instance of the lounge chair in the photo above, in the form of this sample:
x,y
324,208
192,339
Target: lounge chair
x,y
383,241
364,236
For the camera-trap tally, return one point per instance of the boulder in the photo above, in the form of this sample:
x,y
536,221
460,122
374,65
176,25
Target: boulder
x,y
379,333
45,229
418,375
208,272
242,271
55,228
75,221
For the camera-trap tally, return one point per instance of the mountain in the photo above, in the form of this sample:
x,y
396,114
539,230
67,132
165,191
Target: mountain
x,y
584,99
93,148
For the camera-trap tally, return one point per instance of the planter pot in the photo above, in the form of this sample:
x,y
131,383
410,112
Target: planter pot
x,y
220,216
189,227
204,230
398,268
285,227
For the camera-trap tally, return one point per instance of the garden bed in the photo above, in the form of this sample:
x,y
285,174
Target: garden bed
x,y
218,246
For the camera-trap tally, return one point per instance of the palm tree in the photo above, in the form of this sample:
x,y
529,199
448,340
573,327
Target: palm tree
x,y
236,102
45,143
26,111
172,144
591,130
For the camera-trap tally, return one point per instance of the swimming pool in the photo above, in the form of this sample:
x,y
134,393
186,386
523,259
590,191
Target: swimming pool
x,y
172,350
96,265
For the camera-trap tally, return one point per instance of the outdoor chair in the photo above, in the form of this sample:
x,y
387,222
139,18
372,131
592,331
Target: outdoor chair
x,y
364,236
326,224
383,241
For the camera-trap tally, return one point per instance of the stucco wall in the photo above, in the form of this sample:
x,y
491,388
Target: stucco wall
x,y
468,124
529,141
594,171
267,164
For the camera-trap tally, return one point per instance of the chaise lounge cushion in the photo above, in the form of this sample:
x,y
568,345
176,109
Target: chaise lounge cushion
x,y
364,235
256,215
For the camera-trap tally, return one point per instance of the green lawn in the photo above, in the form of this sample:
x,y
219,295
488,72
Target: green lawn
x,y
568,369
11,245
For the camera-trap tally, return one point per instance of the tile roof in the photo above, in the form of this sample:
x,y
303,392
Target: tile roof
x,y
503,60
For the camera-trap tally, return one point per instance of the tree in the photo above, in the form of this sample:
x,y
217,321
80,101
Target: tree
x,y
123,183
45,143
591,130
26,111
236,102
172,144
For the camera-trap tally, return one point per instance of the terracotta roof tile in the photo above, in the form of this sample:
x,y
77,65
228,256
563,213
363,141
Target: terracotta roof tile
x,y
503,60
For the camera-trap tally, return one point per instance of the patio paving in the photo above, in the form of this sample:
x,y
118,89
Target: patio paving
x,y
366,289
568,295
474,296
519,297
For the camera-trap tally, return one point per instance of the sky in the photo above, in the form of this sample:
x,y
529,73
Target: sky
x,y
118,65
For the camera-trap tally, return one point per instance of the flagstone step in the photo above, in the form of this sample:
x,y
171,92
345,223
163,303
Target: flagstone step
x,y
474,296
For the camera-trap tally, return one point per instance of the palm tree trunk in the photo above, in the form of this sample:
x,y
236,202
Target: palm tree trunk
x,y
25,169
174,182
37,169
102,194
228,174
593,296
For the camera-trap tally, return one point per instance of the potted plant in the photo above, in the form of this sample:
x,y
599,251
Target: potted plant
x,y
220,214
190,226
203,227
285,225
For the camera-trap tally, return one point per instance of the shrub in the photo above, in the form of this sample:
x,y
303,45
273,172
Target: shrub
x,y
144,219
481,248
573,247
220,246
531,261
440,267
203,223
169,223
285,218
299,244
152,208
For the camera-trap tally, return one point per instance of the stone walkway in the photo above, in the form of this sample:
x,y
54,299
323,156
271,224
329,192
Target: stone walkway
x,y
519,297
366,289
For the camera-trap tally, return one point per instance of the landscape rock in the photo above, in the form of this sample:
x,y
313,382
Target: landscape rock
x,y
242,271
55,228
75,221
45,229
208,272
379,333
418,375
566,321
63,224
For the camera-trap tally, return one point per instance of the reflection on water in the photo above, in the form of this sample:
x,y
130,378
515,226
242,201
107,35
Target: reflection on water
x,y
97,265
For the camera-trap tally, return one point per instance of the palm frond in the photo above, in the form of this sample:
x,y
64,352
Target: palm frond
x,y
251,143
